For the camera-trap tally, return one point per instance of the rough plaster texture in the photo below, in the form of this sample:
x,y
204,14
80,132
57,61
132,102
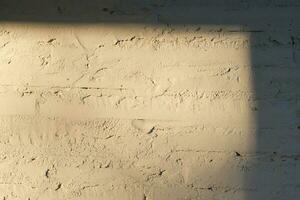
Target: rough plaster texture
x,y
139,111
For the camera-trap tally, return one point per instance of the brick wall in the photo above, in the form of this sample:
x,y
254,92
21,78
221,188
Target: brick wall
x,y
153,111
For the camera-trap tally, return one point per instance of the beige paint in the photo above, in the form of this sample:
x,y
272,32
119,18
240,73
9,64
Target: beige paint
x,y
134,111
99,111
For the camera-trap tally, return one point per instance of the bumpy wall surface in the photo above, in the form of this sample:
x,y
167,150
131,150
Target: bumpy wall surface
x,y
137,108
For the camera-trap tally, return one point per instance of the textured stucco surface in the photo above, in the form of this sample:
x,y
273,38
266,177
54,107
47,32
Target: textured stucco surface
x,y
151,111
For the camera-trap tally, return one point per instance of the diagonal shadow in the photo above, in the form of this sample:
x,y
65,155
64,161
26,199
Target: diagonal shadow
x,y
273,168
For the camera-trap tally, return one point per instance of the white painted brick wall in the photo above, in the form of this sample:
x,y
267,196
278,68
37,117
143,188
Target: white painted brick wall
x,y
153,111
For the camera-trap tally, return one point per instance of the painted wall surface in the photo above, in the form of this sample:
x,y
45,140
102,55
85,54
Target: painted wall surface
x,y
138,110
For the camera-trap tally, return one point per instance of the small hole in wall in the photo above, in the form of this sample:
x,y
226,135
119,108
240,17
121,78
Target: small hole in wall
x,y
59,9
237,154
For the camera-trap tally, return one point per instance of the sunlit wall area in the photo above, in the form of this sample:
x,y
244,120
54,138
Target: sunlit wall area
x,y
131,110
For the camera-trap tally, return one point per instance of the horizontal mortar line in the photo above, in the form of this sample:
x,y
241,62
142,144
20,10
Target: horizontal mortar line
x,y
99,88
93,156
260,154
252,94
12,183
248,154
120,89
98,118
108,88
223,188
63,87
